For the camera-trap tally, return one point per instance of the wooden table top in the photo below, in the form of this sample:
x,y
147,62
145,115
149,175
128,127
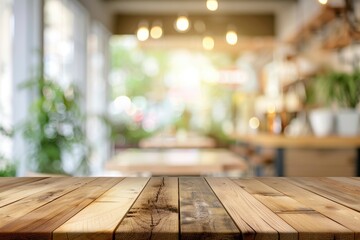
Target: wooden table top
x,y
173,208
282,141
176,162
171,141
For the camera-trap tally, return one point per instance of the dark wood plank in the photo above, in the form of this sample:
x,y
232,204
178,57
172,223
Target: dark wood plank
x,y
254,220
100,218
202,216
40,223
154,215
304,219
24,206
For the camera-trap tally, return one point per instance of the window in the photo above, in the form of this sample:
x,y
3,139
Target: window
x,y
98,44
65,42
6,36
65,54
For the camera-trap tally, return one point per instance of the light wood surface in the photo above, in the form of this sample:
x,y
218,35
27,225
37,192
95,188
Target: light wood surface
x,y
180,208
177,162
171,141
312,142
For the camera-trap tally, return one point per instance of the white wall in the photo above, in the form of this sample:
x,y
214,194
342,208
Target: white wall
x,y
26,62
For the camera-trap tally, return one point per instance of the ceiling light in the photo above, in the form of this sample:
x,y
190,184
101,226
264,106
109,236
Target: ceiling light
x,y
182,23
142,33
208,43
231,37
156,31
254,123
212,5
323,1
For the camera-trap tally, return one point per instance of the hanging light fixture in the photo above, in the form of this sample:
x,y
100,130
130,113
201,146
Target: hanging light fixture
x,y
208,43
231,35
182,23
212,5
323,2
142,33
156,31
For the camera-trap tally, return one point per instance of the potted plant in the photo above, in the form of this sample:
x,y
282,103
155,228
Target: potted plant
x,y
343,91
54,129
320,116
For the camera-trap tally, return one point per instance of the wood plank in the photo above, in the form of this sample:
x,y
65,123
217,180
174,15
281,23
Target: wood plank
x,y
24,206
40,223
202,216
154,215
309,223
19,192
346,195
325,228
276,201
11,182
99,219
347,180
14,182
250,214
337,212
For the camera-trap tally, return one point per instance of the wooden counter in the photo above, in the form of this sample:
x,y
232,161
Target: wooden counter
x,y
179,208
275,141
281,143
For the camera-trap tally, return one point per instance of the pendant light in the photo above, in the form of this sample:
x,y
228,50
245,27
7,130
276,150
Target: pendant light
x,y
142,33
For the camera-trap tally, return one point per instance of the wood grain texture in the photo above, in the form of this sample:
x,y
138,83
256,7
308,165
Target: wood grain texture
x,y
154,215
99,219
202,216
10,182
344,194
185,208
40,223
337,212
249,212
13,194
24,206
309,223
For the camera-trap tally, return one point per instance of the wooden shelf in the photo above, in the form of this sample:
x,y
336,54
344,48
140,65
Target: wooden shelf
x,y
341,39
324,16
309,142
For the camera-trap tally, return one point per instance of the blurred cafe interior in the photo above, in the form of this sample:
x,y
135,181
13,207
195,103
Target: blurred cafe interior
x,y
232,88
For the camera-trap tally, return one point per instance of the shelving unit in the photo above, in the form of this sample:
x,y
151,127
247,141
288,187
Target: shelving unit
x,y
324,16
335,39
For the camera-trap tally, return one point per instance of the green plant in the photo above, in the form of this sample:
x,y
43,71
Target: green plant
x,y
340,88
8,171
54,127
